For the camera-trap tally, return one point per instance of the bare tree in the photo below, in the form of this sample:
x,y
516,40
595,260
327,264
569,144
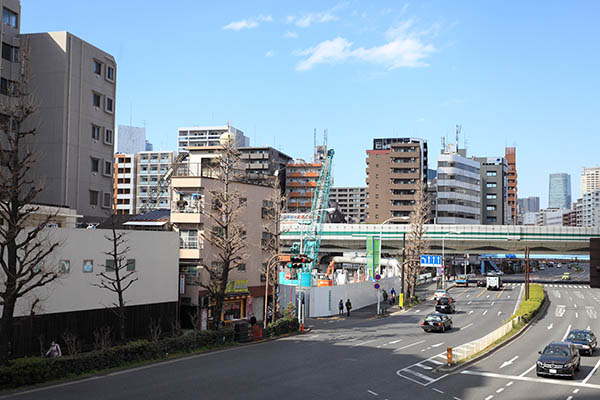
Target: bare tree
x,y
416,242
119,274
226,233
24,244
273,207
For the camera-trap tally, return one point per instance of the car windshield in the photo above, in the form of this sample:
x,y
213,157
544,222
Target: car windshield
x,y
578,336
432,318
443,300
556,351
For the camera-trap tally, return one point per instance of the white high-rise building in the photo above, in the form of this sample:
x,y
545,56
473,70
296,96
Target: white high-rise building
x,y
124,179
150,167
459,188
202,136
590,179
591,209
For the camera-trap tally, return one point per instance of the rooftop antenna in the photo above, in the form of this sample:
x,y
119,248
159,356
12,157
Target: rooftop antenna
x,y
443,143
325,139
458,129
315,145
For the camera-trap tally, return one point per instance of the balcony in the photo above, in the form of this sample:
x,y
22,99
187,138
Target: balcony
x,y
186,212
301,184
303,174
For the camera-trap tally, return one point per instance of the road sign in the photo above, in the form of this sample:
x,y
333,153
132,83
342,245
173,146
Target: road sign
x,y
431,261
377,277
377,286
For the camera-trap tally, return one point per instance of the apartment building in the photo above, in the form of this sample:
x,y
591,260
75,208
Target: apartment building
x,y
510,153
131,139
590,179
550,217
494,200
203,136
191,188
9,62
395,168
590,211
261,164
459,188
559,193
574,217
352,202
300,183
528,204
124,187
74,84
150,167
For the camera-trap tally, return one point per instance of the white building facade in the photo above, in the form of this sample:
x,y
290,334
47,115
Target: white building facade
x,y
124,183
590,179
591,209
202,136
150,167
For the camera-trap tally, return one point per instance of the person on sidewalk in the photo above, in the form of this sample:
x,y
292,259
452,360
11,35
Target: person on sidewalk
x,y
348,306
341,307
393,299
54,350
385,296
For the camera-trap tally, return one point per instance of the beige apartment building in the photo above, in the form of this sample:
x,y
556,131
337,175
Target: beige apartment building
x,y
191,185
395,168
590,179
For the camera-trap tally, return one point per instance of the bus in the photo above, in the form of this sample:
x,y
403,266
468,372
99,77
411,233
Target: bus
x,y
462,280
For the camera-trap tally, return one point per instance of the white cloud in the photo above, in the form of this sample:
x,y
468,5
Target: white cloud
x,y
290,35
314,18
248,23
402,49
269,53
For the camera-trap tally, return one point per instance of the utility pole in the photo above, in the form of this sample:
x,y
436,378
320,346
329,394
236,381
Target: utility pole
x,y
403,261
526,273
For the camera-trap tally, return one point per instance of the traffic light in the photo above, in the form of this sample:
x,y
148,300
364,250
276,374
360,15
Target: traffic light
x,y
299,260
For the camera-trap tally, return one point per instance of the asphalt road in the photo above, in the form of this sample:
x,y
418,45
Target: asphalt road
x,y
360,357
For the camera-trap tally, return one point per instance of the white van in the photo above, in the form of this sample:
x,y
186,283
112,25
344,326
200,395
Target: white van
x,y
494,283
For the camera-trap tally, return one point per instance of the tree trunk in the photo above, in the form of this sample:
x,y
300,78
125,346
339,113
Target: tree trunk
x,y
6,330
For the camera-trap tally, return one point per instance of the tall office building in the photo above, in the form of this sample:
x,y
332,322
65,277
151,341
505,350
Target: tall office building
x,y
590,179
131,139
124,184
74,84
395,169
352,202
559,194
203,136
494,205
510,153
148,146
459,188
150,167
528,204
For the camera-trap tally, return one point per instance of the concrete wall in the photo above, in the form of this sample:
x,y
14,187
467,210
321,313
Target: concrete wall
x,y
156,264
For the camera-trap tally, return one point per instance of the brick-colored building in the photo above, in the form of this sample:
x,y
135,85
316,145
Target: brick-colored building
x,y
511,158
395,168
300,182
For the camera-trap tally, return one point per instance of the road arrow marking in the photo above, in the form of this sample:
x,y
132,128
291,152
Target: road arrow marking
x,y
550,326
504,364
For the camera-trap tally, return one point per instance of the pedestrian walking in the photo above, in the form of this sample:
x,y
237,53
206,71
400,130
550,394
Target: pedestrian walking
x,y
348,306
393,299
54,350
385,296
341,307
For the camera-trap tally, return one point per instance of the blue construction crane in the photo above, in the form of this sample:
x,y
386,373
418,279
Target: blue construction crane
x,y
312,227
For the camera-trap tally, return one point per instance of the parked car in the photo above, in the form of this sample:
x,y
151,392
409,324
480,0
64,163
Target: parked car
x,y
558,359
436,322
566,276
541,268
481,283
445,305
440,293
584,340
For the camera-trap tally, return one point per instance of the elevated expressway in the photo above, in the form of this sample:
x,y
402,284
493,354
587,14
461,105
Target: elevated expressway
x,y
457,239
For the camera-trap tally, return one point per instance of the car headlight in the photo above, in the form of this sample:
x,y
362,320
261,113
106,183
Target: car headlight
x,y
568,365
585,346
539,363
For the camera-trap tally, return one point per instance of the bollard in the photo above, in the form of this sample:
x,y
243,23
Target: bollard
x,y
449,356
302,327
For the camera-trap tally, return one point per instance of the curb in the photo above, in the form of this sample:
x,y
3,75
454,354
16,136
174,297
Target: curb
x,y
498,347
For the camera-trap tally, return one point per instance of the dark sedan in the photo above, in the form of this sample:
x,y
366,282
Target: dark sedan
x,y
481,283
445,305
558,359
436,322
584,340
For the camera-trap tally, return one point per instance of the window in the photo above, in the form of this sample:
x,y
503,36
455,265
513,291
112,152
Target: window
x,y
491,196
9,17
96,99
88,265
108,136
110,73
109,104
10,53
241,268
64,266
95,167
490,184
107,167
97,67
106,200
490,208
94,197
243,201
188,239
95,132
377,186
131,264
8,88
490,173
110,265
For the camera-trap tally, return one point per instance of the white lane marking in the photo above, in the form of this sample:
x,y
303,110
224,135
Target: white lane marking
x,y
517,302
420,375
469,302
409,345
499,312
574,305
508,297
417,311
468,295
587,378
457,398
492,303
438,390
395,341
560,310
550,326
437,345
580,295
471,312
505,363
509,383
591,312
373,393
570,298
576,390
500,390
485,312
487,297
566,333
491,396
425,367
465,327
431,360
538,380
556,293
360,344
588,328
528,371
569,398
576,315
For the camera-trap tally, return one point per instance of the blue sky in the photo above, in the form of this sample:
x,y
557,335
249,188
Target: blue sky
x,y
512,73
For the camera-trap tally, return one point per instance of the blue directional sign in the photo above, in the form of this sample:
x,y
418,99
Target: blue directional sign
x,y
431,261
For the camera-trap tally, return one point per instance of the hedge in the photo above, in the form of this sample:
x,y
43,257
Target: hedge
x,y
529,308
33,370
283,325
